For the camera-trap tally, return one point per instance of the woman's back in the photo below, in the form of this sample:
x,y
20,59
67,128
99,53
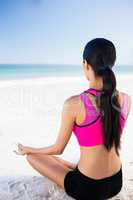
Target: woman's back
x,y
95,161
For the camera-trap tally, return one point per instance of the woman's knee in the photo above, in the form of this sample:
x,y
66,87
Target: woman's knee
x,y
35,156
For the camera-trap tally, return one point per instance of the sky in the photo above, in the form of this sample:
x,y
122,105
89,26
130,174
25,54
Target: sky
x,y
56,31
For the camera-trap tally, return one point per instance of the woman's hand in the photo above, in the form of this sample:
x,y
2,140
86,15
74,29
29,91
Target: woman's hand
x,y
23,150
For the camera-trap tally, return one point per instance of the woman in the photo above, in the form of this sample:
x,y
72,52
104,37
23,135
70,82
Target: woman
x,y
97,117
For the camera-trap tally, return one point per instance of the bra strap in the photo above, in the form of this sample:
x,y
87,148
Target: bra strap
x,y
92,91
90,108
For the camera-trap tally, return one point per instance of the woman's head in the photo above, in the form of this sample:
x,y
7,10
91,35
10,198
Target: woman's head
x,y
98,53
99,57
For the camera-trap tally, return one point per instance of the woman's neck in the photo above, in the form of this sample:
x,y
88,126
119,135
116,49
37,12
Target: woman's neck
x,y
97,84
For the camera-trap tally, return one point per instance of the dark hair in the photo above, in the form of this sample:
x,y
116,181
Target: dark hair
x,y
100,53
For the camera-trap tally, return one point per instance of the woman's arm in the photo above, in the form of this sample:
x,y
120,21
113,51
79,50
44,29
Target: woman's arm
x,y
22,150
68,116
67,120
51,150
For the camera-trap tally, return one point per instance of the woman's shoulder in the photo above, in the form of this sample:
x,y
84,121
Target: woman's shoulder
x,y
73,100
125,101
124,95
80,99
72,103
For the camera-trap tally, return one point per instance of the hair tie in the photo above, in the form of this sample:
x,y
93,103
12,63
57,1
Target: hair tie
x,y
101,71
106,67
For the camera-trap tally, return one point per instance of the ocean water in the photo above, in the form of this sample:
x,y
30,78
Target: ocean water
x,y
18,71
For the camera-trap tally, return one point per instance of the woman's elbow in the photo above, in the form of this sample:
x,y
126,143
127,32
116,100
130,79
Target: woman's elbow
x,y
58,149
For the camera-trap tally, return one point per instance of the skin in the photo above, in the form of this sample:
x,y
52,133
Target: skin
x,y
91,162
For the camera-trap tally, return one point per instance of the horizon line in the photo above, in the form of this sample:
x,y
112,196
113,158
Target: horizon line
x,y
78,64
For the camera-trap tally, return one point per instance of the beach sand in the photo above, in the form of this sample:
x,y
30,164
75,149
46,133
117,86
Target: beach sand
x,y
30,113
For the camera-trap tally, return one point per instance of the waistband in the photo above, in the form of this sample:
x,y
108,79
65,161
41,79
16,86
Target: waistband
x,y
112,177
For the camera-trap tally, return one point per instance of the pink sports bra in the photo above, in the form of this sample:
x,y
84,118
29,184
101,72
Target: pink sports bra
x,y
89,132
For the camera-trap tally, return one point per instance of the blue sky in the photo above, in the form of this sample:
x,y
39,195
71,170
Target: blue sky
x,y
56,31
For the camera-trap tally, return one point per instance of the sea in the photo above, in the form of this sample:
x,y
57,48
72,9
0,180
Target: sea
x,y
20,71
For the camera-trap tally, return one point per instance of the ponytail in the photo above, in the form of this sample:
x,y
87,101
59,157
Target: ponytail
x,y
107,104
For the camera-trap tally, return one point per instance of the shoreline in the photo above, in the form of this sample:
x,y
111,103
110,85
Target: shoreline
x,y
57,79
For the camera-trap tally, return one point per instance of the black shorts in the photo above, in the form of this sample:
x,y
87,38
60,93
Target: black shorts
x,y
82,187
